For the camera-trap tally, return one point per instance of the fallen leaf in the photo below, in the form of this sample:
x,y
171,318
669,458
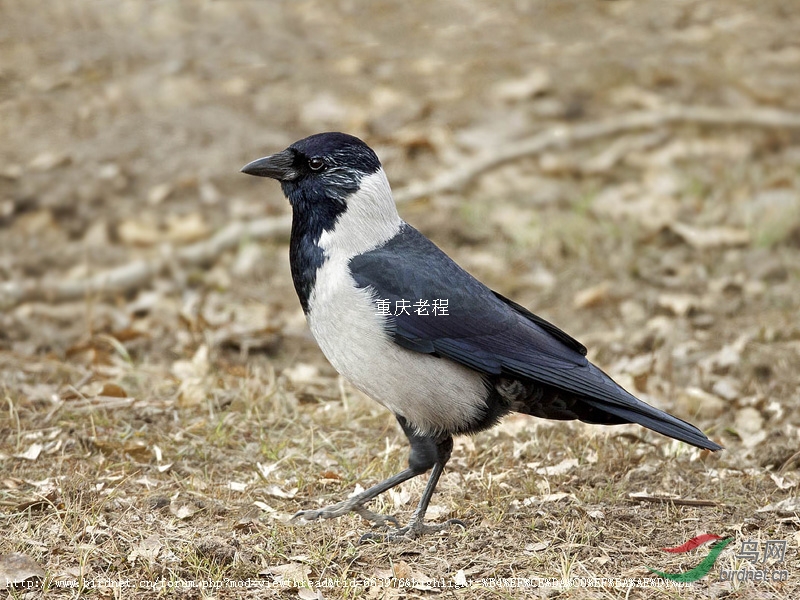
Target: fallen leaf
x,y
264,506
784,508
783,482
16,568
537,547
749,426
695,401
147,550
549,498
159,193
712,237
276,492
593,296
536,82
559,469
187,228
292,574
47,161
32,453
306,593
184,510
113,390
134,232
679,305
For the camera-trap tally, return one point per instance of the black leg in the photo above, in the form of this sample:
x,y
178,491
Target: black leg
x,y
425,453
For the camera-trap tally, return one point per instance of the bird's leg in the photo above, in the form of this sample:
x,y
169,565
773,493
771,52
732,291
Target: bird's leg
x,y
357,502
423,456
416,526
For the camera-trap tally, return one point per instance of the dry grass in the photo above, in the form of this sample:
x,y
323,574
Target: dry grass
x,y
101,505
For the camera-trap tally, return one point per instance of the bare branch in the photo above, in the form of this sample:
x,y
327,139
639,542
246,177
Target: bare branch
x,y
562,136
138,273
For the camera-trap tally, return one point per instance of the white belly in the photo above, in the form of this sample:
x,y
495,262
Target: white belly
x,y
431,393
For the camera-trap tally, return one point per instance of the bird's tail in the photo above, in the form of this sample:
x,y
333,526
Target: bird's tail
x,y
629,409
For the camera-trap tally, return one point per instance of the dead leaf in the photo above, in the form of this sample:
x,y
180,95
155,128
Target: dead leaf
x,y
113,390
695,401
147,550
192,375
292,574
749,426
40,502
137,450
537,547
184,229
306,593
47,161
536,82
593,296
564,466
460,579
16,568
399,497
549,498
134,232
784,508
159,193
712,237
265,470
276,492
679,305
783,482
184,510
32,453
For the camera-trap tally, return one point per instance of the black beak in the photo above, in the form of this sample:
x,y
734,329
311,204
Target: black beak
x,y
278,166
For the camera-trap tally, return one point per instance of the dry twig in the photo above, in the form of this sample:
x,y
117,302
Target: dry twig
x,y
668,500
138,273
562,136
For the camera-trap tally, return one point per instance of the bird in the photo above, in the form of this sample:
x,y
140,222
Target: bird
x,y
410,328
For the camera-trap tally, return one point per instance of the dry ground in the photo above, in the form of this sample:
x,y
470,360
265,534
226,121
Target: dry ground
x,y
162,433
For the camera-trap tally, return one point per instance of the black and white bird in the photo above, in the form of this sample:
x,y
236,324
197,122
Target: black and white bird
x,y
455,370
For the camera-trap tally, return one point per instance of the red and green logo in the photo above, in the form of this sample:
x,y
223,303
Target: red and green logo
x,y
702,569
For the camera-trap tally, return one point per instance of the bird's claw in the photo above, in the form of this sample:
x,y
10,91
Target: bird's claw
x,y
411,531
375,518
342,508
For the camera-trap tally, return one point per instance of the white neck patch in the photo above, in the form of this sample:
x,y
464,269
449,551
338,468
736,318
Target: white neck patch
x,y
370,220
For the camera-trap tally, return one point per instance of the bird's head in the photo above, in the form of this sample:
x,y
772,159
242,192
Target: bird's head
x,y
329,175
325,166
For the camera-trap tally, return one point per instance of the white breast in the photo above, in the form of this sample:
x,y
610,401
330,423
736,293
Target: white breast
x,y
431,393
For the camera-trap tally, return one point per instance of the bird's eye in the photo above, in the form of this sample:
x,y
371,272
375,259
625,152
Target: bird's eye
x,y
316,163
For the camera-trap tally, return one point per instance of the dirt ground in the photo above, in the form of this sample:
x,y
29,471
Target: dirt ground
x,y
164,407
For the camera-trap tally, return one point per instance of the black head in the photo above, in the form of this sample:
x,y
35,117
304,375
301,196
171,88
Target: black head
x,y
322,167
318,174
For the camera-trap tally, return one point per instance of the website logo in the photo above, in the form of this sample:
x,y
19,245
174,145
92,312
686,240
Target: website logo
x,y
705,565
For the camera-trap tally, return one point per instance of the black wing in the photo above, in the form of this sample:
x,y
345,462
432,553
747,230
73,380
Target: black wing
x,y
491,334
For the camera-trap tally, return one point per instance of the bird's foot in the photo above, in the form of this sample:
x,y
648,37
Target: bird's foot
x,y
342,508
415,529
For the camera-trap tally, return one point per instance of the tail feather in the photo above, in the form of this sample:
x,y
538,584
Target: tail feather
x,y
658,421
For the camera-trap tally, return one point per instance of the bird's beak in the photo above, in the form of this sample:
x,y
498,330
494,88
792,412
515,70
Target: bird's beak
x,y
278,166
